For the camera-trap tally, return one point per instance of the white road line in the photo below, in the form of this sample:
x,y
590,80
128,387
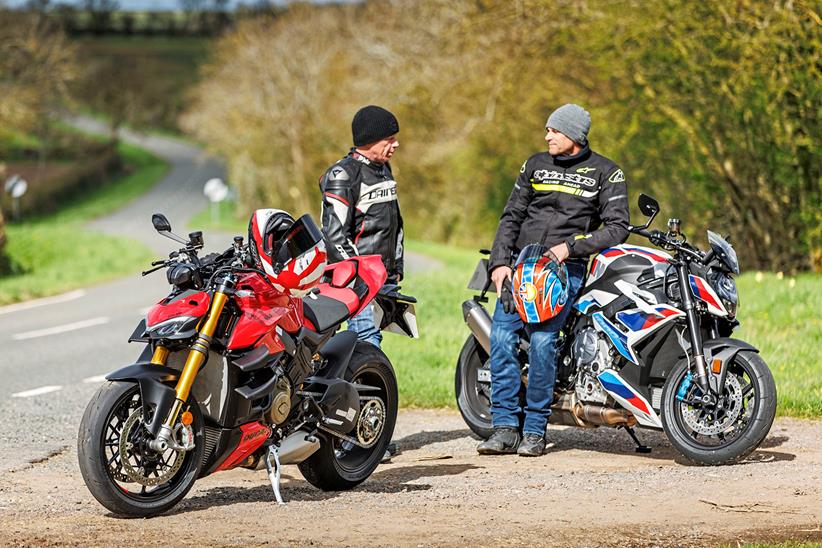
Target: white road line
x,y
37,391
60,329
65,297
95,379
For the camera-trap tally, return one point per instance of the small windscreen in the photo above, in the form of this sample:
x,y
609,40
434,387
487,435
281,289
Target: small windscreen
x,y
724,251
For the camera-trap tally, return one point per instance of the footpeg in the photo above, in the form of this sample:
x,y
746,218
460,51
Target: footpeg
x,y
274,471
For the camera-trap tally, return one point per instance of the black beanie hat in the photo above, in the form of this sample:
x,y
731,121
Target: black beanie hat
x,y
373,123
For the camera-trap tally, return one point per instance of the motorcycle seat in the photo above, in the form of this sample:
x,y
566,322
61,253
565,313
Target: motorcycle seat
x,y
342,273
329,306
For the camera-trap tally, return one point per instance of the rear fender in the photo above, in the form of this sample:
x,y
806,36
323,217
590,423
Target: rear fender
x,y
156,384
396,313
340,401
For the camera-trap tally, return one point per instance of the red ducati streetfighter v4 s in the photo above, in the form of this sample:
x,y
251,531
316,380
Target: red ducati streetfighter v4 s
x,y
244,365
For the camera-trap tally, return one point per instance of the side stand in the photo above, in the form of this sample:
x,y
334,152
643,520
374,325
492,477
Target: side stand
x,y
274,471
639,447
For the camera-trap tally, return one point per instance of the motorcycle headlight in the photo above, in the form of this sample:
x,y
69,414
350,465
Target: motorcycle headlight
x,y
725,288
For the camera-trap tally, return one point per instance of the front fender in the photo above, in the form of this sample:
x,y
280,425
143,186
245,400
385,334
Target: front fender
x,y
722,350
156,384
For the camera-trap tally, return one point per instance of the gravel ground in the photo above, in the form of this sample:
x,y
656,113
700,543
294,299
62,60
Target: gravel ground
x,y
590,489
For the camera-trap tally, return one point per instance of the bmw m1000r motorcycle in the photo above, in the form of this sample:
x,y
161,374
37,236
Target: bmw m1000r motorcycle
x,y
237,372
648,344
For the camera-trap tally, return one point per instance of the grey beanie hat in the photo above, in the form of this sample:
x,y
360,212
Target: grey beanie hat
x,y
571,120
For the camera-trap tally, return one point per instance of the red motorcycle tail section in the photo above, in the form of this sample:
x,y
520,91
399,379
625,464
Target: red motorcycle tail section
x,y
253,436
353,284
189,303
368,268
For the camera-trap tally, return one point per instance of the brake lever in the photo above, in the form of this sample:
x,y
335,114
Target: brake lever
x,y
155,269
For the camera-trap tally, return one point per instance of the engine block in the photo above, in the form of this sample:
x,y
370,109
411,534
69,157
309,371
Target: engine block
x,y
592,355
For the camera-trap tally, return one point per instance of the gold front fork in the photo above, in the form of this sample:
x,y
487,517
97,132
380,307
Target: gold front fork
x,y
196,356
160,355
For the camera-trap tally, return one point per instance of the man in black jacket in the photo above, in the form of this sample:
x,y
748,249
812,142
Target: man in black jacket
x,y
575,202
361,214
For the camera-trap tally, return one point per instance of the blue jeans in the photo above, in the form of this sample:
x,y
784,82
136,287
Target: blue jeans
x,y
363,324
542,359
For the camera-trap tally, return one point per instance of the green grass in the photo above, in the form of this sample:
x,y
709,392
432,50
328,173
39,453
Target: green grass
x,y
425,366
55,253
227,220
781,317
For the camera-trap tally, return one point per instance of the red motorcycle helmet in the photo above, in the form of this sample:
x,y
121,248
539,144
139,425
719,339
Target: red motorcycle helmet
x,y
540,285
291,253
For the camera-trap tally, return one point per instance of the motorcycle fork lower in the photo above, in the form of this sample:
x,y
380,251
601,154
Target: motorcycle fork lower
x,y
196,357
693,327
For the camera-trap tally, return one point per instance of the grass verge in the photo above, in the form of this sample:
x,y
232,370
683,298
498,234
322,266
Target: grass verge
x,y
55,253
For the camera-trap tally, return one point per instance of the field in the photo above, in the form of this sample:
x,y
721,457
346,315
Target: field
x,y
54,253
157,71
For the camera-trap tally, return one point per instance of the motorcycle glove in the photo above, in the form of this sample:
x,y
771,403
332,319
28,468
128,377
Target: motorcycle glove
x,y
507,297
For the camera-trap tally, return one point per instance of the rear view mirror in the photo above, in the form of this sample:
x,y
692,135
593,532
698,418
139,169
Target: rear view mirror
x,y
648,206
162,226
160,223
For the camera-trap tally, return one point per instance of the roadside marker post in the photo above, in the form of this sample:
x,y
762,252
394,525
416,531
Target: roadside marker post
x,y
216,191
16,187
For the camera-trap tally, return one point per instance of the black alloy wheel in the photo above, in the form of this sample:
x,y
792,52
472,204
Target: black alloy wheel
x,y
125,475
339,464
731,429
472,384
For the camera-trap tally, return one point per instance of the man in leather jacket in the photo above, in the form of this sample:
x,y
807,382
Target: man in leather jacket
x,y
575,202
360,212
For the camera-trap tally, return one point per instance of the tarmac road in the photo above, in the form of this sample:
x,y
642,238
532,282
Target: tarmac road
x,y
55,350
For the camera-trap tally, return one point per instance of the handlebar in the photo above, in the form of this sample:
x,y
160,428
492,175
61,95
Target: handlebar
x,y
661,239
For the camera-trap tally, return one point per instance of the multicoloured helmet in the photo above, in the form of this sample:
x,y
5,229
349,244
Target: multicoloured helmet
x,y
540,285
291,253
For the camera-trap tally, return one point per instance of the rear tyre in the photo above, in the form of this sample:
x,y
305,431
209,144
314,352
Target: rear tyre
x,y
728,433
140,483
472,384
338,464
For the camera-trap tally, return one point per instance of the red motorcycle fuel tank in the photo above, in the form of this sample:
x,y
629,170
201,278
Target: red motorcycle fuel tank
x,y
263,308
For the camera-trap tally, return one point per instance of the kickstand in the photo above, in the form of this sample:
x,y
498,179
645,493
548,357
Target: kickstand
x,y
274,471
639,447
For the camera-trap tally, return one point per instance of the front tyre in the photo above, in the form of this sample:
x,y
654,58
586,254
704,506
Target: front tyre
x,y
731,430
119,469
339,464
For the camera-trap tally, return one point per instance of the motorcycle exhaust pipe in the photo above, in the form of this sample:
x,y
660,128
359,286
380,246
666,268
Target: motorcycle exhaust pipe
x,y
297,447
569,411
479,322
606,416
293,450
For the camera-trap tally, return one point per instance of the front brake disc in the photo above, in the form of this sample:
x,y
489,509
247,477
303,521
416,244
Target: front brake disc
x,y
129,451
709,424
